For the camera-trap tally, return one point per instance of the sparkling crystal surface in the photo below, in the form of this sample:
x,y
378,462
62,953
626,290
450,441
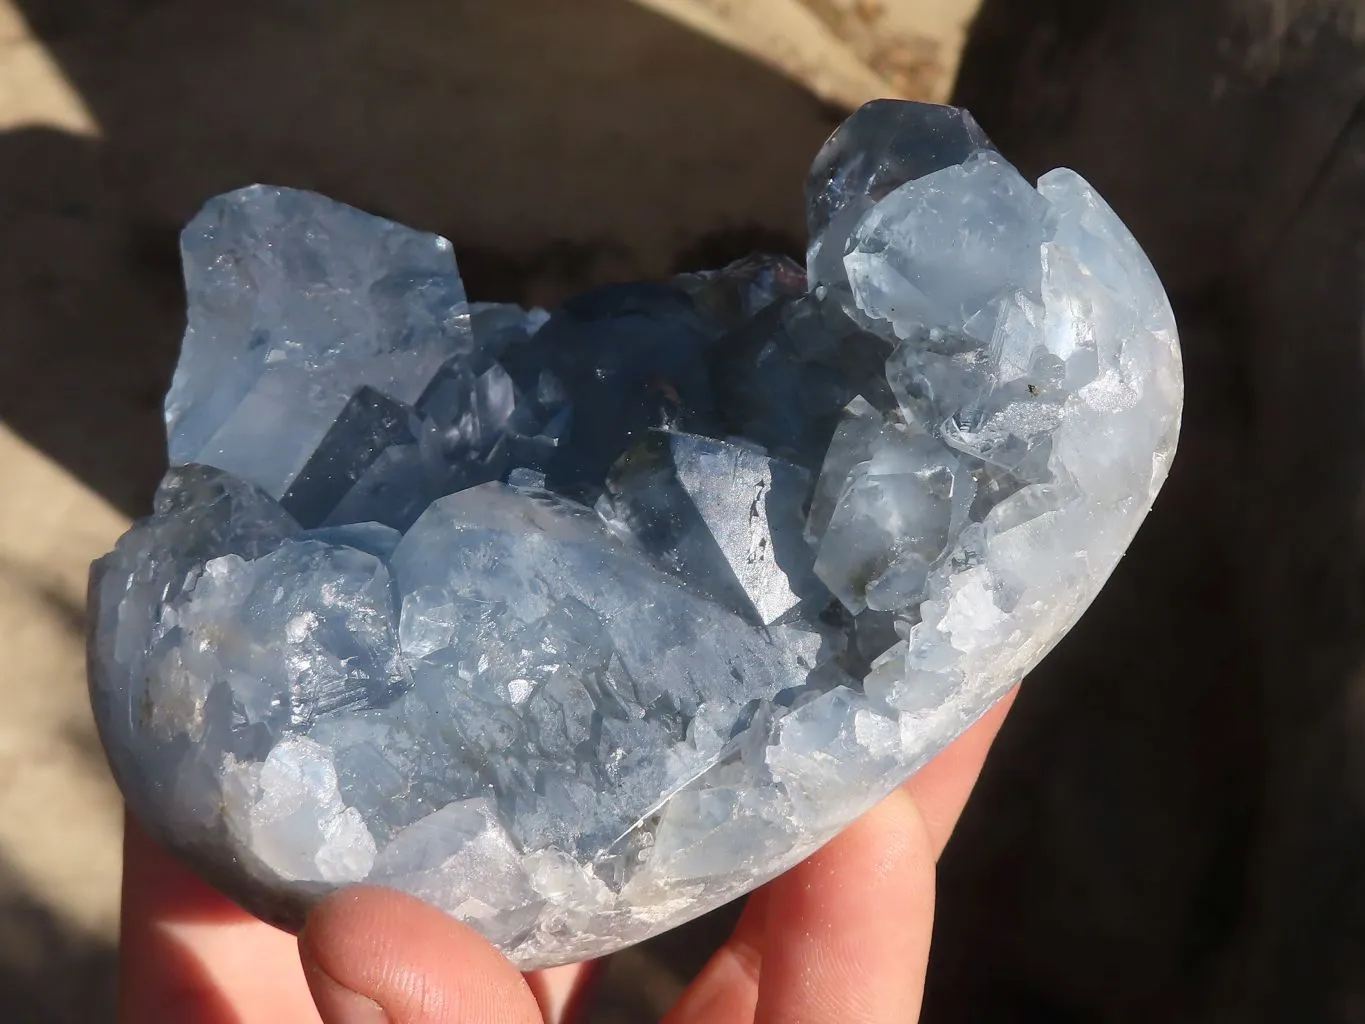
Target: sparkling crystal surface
x,y
580,623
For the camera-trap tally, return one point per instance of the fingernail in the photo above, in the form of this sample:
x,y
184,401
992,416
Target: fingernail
x,y
339,1004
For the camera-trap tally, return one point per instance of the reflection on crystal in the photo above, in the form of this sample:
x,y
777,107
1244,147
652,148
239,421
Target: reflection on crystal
x,y
890,523
881,147
295,306
937,250
579,623
726,518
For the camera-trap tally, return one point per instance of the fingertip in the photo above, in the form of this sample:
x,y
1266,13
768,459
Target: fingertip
x,y
338,1004
849,928
368,947
726,990
942,787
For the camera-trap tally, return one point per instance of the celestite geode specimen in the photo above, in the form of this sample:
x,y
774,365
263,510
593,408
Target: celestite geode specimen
x,y
579,624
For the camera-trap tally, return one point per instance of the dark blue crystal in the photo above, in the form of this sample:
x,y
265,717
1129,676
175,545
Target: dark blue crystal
x,y
369,425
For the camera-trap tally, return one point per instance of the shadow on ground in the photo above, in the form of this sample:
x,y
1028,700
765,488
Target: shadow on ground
x,y
49,972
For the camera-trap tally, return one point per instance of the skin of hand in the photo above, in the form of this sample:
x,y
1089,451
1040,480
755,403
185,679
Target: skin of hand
x,y
843,938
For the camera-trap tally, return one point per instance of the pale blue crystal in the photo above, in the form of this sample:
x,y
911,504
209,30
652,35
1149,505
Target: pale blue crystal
x,y
578,623
939,249
371,537
726,518
883,145
892,519
296,302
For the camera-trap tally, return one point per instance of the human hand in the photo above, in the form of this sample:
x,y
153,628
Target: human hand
x,y
842,937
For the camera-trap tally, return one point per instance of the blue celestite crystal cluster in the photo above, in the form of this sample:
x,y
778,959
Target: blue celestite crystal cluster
x,y
580,623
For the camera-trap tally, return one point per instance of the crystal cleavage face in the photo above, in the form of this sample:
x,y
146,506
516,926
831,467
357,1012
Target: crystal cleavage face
x,y
580,624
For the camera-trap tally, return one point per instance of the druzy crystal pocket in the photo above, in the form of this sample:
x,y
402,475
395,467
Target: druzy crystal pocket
x,y
580,623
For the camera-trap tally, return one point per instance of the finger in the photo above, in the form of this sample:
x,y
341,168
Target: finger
x,y
563,993
941,788
366,948
188,954
848,930
726,990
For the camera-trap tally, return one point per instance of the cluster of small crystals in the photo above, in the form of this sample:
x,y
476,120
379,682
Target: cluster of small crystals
x,y
578,624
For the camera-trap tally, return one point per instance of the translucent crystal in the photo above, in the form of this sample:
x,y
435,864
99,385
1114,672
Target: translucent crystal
x,y
579,623
883,145
296,822
834,746
938,250
726,518
891,521
296,303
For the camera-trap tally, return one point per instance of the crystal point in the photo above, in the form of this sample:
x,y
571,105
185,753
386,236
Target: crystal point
x,y
726,518
296,302
881,146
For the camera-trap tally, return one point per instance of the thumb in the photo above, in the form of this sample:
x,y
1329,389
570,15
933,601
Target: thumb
x,y
374,956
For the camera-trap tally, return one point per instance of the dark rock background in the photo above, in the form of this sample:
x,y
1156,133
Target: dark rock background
x,y
1172,827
